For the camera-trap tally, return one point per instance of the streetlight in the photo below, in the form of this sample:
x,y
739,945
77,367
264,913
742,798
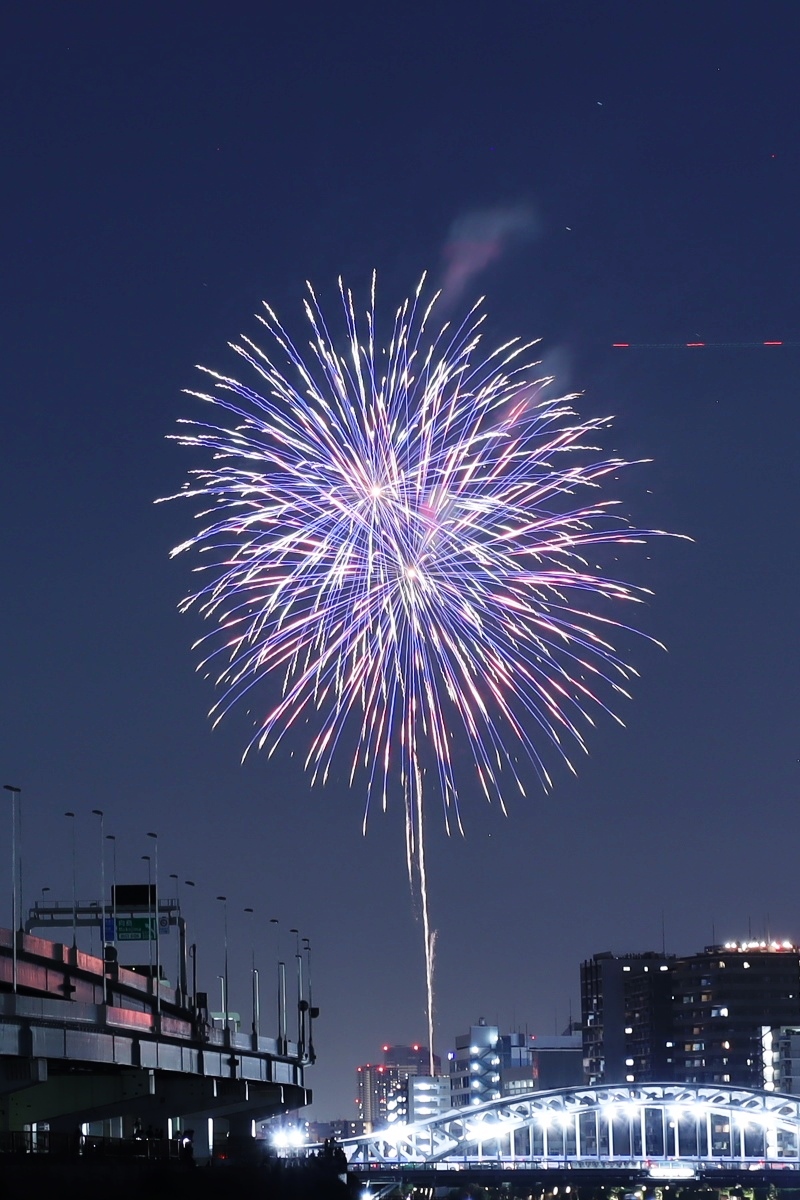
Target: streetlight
x,y
281,987
312,1012
110,837
15,793
178,980
98,812
299,965
223,1000
192,949
71,816
146,858
254,973
45,890
224,900
154,836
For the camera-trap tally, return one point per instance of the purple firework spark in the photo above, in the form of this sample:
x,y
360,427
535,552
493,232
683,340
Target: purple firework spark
x,y
401,533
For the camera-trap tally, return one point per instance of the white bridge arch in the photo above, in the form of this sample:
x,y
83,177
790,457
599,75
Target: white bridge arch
x,y
665,1128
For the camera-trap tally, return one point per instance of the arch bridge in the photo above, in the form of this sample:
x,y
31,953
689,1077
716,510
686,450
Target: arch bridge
x,y
664,1130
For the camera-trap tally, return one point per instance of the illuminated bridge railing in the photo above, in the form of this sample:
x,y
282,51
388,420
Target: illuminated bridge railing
x,y
671,1130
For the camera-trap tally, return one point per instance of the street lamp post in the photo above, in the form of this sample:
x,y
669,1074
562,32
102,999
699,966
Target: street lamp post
x,y
223,999
224,900
300,1017
98,812
15,792
311,1013
254,973
178,981
146,858
110,837
193,951
154,836
281,987
71,816
20,892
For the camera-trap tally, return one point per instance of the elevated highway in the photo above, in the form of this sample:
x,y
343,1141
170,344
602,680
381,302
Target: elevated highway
x,y
83,1040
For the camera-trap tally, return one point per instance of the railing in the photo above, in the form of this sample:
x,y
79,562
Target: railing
x,y
87,1146
666,1170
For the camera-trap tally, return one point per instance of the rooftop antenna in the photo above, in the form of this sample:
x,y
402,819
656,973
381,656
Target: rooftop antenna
x,y
663,936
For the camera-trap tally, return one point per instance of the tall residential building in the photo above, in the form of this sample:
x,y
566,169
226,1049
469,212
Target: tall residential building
x,y
723,1000
377,1084
606,1013
649,1037
725,1015
382,1092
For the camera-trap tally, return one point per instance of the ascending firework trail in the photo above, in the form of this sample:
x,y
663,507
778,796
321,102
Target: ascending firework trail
x,y
399,535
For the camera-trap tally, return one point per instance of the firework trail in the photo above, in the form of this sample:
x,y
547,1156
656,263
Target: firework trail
x,y
400,535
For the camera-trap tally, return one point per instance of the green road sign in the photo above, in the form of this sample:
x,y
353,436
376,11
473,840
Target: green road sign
x,y
136,929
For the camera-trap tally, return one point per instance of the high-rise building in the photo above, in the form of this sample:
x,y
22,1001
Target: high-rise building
x,y
607,1024
376,1085
382,1092
414,1060
649,1036
713,1017
723,1000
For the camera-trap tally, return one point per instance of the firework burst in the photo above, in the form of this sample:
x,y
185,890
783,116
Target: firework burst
x,y
404,535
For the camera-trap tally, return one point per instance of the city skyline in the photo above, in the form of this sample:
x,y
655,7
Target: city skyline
x,y
603,174
604,987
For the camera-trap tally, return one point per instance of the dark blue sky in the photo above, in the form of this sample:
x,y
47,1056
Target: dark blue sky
x,y
167,167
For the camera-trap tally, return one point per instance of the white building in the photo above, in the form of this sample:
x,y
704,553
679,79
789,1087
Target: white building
x,y
475,1066
428,1096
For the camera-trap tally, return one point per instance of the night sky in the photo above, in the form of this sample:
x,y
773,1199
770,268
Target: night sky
x,y
167,166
